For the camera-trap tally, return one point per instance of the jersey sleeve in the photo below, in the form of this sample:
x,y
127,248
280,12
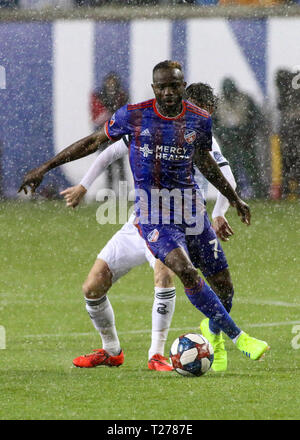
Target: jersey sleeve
x,y
117,126
222,204
217,155
104,159
204,135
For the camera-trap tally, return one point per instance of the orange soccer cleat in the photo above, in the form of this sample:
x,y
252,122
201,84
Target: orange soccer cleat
x,y
99,357
159,363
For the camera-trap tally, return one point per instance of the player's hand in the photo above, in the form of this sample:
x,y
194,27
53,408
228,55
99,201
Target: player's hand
x,y
222,228
32,180
243,210
73,195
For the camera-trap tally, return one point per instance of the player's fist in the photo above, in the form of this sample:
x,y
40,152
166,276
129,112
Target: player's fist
x,y
32,180
73,195
222,228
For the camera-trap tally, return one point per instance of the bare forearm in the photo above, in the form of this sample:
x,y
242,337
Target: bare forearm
x,y
211,171
75,151
79,149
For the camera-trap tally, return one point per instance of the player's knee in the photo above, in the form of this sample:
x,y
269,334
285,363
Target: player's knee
x,y
164,278
96,286
181,265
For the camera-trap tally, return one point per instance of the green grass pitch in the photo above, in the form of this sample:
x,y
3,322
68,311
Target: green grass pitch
x,y
46,252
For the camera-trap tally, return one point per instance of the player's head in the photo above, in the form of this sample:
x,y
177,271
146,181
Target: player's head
x,y
229,89
168,86
201,95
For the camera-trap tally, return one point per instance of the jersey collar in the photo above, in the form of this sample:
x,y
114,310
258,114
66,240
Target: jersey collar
x,y
166,117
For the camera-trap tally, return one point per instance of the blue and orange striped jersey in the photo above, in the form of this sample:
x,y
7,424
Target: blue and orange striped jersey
x,y
161,148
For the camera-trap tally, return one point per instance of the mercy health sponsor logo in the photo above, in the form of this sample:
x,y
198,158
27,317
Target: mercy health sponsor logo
x,y
159,206
146,150
165,152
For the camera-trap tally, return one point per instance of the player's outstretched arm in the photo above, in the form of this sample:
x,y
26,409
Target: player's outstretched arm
x,y
211,171
74,194
77,150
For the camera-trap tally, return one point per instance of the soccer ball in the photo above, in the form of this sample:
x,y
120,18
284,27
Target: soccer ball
x,y
191,355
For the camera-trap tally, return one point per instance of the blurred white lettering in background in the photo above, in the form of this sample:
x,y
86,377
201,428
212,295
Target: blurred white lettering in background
x,y
296,79
40,4
2,78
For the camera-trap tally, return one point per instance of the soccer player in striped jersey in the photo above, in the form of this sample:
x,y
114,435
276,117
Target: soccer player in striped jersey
x,y
180,134
127,249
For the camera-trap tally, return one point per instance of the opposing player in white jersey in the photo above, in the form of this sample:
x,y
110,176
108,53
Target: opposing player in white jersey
x,y
127,249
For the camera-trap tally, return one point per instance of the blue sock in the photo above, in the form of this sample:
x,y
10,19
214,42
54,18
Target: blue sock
x,y
227,303
205,300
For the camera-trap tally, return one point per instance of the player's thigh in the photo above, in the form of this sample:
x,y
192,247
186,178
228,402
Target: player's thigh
x,y
167,243
206,252
162,239
125,250
179,262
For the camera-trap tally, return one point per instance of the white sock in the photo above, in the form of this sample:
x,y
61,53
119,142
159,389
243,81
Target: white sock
x,y
234,340
103,319
162,314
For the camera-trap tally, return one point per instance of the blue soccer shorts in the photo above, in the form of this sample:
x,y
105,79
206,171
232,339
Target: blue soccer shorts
x,y
205,250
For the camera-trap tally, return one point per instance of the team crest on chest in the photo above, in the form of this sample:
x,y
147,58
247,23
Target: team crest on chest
x,y
153,236
190,136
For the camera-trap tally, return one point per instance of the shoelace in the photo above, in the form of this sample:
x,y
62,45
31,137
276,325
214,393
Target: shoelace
x,y
218,345
159,358
98,350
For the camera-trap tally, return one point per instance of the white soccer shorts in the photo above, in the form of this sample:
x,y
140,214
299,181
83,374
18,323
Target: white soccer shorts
x,y
125,250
